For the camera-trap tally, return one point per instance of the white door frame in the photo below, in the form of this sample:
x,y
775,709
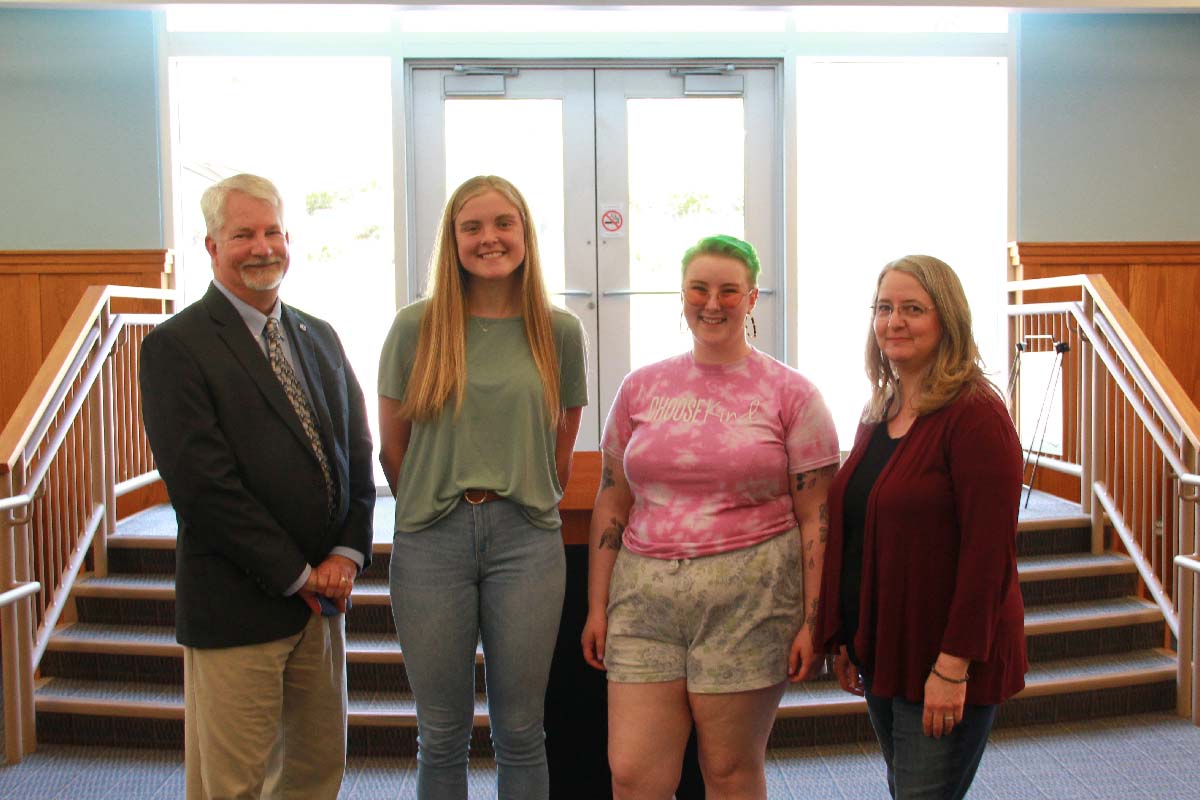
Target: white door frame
x,y
593,94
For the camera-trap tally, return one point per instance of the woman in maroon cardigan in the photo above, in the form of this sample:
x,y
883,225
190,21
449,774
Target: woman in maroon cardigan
x,y
919,594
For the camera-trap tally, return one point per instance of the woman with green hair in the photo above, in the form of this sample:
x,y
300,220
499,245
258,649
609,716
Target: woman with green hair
x,y
707,540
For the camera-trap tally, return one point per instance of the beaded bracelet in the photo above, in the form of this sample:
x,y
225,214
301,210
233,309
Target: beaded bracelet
x,y
933,670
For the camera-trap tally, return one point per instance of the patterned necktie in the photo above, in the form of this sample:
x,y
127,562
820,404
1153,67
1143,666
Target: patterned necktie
x,y
295,394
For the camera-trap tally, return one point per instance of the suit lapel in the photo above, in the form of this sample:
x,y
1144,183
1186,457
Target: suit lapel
x,y
232,330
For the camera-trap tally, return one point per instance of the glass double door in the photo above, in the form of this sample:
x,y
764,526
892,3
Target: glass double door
x,y
624,169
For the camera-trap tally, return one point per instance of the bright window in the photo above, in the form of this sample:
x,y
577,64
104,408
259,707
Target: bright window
x,y
846,19
895,157
320,129
674,201
279,18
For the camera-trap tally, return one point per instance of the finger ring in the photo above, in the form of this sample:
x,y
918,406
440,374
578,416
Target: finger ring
x,y
343,579
948,718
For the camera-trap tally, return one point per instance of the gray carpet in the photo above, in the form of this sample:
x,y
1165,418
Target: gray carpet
x,y
1149,756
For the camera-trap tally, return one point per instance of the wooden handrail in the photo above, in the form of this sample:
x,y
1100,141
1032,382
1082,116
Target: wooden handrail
x,y
1120,253
71,396
1183,411
53,371
1134,428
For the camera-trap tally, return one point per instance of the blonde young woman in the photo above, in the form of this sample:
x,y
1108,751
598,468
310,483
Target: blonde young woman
x,y
481,388
920,598
706,543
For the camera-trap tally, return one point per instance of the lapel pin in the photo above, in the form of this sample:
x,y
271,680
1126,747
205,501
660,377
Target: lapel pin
x,y
303,327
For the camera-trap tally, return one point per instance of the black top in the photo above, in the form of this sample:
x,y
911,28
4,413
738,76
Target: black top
x,y
854,520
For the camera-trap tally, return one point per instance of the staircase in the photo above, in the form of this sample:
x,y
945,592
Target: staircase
x,y
1095,648
114,676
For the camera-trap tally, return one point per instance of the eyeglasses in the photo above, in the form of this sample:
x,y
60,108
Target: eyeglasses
x,y
727,296
905,310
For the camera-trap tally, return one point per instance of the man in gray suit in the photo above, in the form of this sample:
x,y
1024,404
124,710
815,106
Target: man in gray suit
x,y
259,430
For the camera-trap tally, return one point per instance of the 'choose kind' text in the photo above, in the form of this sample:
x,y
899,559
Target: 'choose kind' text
x,y
697,409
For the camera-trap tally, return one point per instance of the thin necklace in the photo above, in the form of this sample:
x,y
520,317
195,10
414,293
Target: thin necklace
x,y
479,322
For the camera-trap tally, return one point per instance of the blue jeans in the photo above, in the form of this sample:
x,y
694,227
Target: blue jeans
x,y
482,572
920,767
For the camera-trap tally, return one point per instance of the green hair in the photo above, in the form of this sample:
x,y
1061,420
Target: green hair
x,y
722,245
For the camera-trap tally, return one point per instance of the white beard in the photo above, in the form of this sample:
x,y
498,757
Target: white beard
x,y
262,279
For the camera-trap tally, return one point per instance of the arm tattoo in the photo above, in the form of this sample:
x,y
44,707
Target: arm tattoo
x,y
824,530
811,620
606,478
807,480
611,537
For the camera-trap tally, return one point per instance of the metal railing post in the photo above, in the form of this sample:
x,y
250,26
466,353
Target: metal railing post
x,y
1188,702
23,563
1015,328
11,643
1185,701
1097,443
1187,698
102,457
16,618
108,410
1087,367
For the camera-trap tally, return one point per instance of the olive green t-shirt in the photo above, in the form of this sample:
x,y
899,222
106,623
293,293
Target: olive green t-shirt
x,y
502,439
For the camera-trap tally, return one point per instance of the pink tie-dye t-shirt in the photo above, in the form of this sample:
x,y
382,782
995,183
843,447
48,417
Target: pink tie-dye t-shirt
x,y
709,451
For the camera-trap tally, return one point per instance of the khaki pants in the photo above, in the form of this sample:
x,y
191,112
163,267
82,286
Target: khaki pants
x,y
267,720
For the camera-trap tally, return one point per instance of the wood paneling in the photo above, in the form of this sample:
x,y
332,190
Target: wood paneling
x,y
21,337
39,290
579,495
1159,282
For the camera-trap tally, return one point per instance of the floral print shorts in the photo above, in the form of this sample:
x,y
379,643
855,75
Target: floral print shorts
x,y
724,622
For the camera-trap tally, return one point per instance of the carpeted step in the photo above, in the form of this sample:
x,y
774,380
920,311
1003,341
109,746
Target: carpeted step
x,y
1092,627
149,599
382,722
150,654
1091,643
819,712
130,714
1074,577
158,640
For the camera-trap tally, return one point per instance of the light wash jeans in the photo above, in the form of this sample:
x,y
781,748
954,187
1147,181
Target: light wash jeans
x,y
481,572
920,767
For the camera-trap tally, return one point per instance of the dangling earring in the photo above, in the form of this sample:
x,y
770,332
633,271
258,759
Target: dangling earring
x,y
752,330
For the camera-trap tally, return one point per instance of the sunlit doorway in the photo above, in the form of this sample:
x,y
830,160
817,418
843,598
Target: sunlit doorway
x,y
623,168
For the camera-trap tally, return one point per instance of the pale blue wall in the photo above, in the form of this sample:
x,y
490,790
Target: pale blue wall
x,y
79,164
1109,127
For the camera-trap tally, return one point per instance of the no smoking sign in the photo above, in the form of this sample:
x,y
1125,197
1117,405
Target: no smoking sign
x,y
612,221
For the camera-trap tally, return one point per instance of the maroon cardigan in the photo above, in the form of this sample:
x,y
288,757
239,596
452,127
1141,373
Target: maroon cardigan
x,y
939,566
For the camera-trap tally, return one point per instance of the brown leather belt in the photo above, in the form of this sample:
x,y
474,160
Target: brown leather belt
x,y
477,497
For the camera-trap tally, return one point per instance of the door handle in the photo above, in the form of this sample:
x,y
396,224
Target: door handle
x,y
574,292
